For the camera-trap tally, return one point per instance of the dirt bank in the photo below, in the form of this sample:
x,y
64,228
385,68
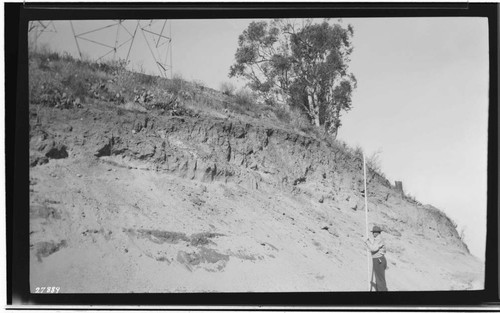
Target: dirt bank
x,y
129,201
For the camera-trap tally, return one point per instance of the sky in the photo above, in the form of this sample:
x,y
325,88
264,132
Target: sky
x,y
421,101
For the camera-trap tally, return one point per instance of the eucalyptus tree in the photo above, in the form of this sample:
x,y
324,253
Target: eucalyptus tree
x,y
303,64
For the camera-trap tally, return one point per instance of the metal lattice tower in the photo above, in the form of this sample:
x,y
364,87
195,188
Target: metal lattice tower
x,y
125,34
37,28
161,47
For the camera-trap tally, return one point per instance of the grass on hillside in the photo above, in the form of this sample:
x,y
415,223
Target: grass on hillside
x,y
59,80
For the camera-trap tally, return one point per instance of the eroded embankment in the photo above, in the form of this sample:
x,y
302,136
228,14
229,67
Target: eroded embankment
x,y
304,194
215,149
198,148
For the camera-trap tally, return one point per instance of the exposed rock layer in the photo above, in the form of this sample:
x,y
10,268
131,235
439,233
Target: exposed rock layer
x,y
220,196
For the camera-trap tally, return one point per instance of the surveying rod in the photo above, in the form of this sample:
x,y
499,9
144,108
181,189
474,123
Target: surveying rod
x,y
366,223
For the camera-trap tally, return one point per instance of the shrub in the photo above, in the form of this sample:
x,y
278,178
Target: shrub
x,y
76,85
198,84
53,56
270,102
67,57
245,99
462,233
358,151
373,161
412,199
300,121
227,88
145,79
283,115
455,225
176,84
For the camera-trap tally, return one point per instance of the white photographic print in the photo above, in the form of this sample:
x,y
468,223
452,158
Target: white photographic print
x,y
258,155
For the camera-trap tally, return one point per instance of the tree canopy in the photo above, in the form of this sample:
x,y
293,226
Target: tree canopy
x,y
305,67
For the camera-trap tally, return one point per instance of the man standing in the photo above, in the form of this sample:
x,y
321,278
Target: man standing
x,y
376,245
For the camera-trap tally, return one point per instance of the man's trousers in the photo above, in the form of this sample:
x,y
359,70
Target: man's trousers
x,y
379,267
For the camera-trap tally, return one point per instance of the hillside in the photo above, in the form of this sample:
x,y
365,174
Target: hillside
x,y
139,184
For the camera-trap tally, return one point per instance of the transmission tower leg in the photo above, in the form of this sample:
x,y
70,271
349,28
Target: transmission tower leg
x,y
76,39
132,42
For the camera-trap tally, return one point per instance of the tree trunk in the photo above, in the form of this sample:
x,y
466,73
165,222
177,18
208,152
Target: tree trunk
x,y
316,120
336,122
313,106
334,133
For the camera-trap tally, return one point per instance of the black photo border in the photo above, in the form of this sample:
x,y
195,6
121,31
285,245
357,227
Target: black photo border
x,y
17,16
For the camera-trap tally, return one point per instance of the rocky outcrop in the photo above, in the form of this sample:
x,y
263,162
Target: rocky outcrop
x,y
210,149
44,147
219,149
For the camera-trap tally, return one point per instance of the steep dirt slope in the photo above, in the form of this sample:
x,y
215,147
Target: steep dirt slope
x,y
128,201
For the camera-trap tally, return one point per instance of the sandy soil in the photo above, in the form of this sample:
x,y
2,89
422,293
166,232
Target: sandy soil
x,y
100,227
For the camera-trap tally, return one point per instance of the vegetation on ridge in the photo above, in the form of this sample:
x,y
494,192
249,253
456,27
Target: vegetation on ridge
x,y
217,184
60,81
303,67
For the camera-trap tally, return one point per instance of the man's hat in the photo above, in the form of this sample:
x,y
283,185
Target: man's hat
x,y
376,229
